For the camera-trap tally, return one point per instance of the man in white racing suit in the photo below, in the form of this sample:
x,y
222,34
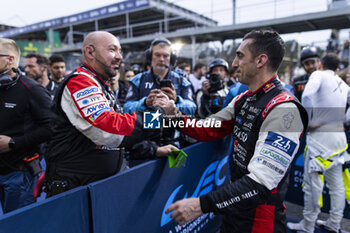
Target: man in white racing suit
x,y
325,98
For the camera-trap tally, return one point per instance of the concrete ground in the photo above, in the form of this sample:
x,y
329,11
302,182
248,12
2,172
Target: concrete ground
x,y
295,211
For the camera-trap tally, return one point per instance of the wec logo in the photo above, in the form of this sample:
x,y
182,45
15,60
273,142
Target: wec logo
x,y
209,177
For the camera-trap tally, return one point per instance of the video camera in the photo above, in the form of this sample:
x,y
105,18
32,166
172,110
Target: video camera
x,y
215,83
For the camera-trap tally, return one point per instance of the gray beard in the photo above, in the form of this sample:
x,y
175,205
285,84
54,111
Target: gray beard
x,y
161,71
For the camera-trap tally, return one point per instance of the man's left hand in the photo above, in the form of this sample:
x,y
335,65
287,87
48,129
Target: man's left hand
x,y
185,210
164,151
170,92
4,143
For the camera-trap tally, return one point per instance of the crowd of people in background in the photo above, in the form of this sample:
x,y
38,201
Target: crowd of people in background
x,y
52,118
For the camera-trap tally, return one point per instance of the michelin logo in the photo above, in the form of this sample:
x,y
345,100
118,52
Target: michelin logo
x,y
151,120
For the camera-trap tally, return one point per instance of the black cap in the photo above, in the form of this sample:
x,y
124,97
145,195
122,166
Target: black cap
x,y
308,53
218,62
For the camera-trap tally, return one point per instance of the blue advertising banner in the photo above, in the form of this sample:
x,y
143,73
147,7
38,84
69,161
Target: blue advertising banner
x,y
136,199
67,212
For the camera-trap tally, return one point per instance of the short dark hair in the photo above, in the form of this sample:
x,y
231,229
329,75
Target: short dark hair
x,y
268,42
40,59
330,61
198,66
56,58
183,65
128,68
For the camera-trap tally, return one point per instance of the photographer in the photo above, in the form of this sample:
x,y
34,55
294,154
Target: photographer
x,y
214,90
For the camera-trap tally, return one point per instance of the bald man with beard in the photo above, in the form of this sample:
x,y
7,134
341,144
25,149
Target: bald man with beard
x,y
90,128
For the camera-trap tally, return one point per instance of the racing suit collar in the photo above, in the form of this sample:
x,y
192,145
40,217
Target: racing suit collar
x,y
99,76
257,90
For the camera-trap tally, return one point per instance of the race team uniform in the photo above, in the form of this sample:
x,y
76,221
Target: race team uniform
x,y
325,98
299,85
89,131
52,88
266,126
25,117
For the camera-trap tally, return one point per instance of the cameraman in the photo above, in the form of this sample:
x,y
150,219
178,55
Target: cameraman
x,y
214,89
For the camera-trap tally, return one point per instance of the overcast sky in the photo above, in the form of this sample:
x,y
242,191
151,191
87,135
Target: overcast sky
x,y
24,12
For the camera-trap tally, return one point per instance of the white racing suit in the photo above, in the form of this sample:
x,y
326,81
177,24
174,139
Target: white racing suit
x,y
325,98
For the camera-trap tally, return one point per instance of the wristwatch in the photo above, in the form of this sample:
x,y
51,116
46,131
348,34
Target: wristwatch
x,y
12,144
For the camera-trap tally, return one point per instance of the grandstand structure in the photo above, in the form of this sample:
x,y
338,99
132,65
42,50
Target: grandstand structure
x,y
5,27
137,22
128,20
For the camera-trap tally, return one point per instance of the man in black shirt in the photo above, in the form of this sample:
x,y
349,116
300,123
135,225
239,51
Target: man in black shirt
x,y
24,125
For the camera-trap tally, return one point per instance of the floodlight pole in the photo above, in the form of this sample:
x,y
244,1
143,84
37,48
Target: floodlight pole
x,y
233,11
193,39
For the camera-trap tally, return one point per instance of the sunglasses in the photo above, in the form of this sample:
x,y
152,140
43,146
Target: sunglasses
x,y
4,55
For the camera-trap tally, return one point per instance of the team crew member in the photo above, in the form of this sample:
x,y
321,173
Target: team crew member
x,y
57,68
88,131
144,86
36,67
25,124
310,61
266,123
325,98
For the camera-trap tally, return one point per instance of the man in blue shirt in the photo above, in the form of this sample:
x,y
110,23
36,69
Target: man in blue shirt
x,y
235,89
145,86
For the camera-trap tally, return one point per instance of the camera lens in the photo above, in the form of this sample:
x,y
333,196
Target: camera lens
x,y
215,83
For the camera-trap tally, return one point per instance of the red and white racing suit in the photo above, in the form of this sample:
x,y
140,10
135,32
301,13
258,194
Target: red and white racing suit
x,y
89,131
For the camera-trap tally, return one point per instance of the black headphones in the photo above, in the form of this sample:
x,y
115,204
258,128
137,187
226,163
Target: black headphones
x,y
7,81
149,51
